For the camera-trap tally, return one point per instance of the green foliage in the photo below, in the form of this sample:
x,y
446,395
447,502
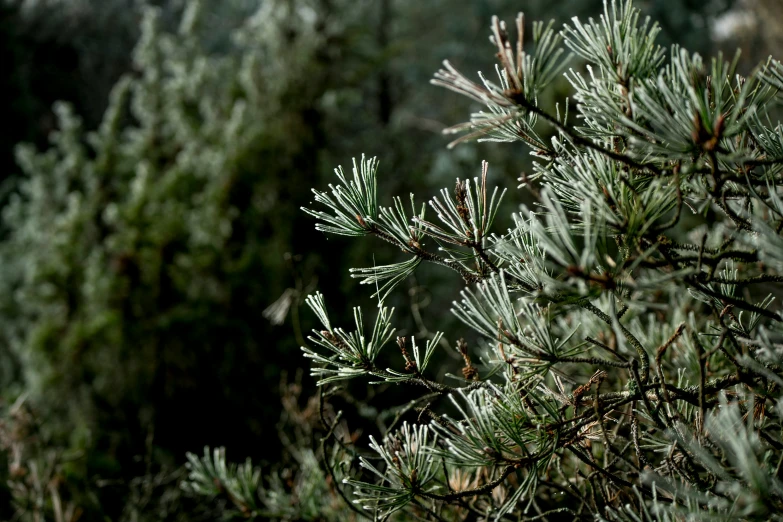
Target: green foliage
x,y
138,257
210,475
301,490
409,468
141,249
352,354
626,328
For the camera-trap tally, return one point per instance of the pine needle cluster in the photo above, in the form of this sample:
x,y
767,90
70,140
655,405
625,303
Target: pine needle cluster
x,y
631,362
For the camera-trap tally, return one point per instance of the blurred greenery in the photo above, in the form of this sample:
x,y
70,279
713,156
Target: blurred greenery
x,y
155,156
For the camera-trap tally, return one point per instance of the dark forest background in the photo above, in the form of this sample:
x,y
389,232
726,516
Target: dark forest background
x,y
154,260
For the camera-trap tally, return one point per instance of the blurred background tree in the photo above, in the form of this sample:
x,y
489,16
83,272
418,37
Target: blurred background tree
x,y
153,254
753,26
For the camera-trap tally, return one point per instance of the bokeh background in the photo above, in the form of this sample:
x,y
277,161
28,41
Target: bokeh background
x,y
154,260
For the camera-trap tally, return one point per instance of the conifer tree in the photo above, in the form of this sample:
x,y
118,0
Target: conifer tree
x,y
137,259
626,364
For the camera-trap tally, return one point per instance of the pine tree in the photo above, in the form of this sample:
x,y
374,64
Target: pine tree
x,y
626,364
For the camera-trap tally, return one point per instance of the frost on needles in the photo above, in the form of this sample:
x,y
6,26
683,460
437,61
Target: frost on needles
x,y
631,367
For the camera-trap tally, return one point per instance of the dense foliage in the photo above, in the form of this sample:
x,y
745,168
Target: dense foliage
x,y
626,363
154,259
140,257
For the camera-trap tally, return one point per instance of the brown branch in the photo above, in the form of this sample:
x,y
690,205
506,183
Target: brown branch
x,y
520,99
486,488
